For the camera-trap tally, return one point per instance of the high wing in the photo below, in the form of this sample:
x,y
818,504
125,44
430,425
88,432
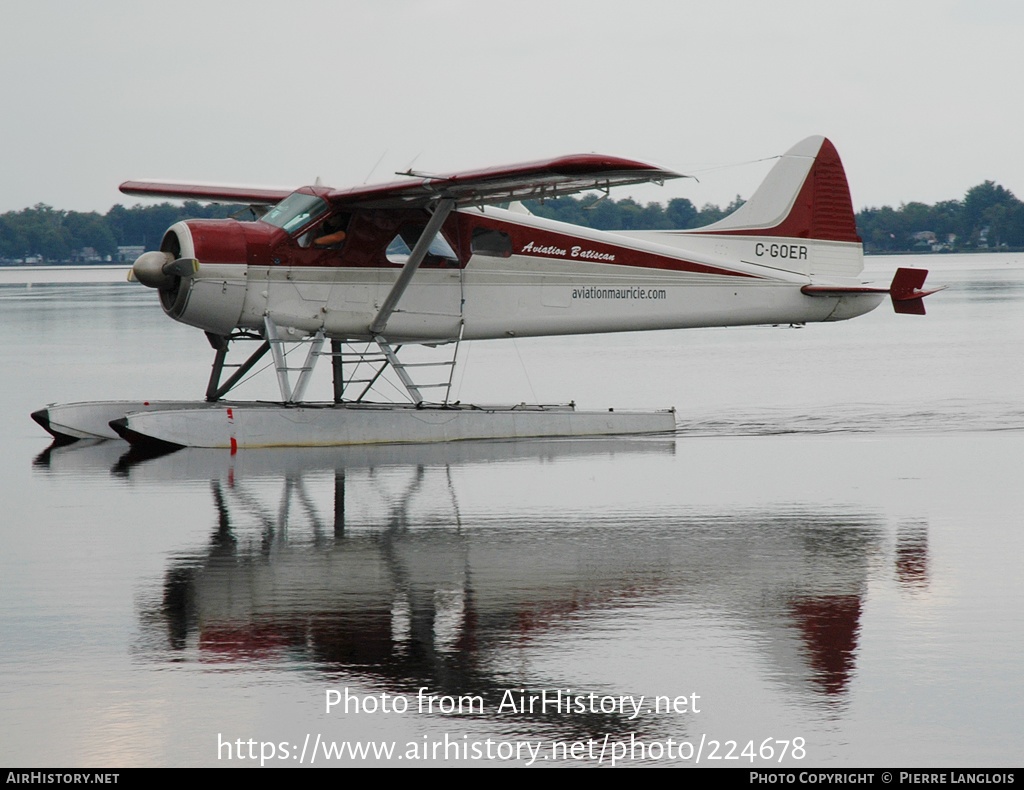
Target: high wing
x,y
532,180
266,196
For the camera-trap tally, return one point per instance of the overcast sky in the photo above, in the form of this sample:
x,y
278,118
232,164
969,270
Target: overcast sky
x,y
922,99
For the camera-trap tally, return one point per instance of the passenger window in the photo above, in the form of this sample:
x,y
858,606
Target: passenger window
x,y
487,241
400,248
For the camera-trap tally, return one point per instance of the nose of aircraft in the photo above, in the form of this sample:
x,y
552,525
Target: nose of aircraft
x,y
158,269
148,269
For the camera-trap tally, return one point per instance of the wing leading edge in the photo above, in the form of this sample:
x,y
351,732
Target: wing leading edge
x,y
265,196
532,180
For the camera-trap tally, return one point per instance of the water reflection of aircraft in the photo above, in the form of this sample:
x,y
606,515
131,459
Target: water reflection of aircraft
x,y
377,568
431,261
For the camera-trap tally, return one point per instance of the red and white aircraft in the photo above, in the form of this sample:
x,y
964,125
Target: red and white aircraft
x,y
432,260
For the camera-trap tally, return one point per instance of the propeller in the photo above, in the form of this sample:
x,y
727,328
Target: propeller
x,y
158,269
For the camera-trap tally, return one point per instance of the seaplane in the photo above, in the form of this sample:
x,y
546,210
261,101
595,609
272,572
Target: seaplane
x,y
358,274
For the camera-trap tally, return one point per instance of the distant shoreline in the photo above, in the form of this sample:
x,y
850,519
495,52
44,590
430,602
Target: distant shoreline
x,y
944,252
28,275
65,265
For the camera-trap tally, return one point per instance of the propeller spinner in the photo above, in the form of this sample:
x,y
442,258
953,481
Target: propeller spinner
x,y
158,269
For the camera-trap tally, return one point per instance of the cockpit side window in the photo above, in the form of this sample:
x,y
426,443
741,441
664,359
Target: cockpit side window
x,y
327,235
295,212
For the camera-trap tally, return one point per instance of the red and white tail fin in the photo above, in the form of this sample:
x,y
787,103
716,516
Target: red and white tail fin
x,y
805,196
799,220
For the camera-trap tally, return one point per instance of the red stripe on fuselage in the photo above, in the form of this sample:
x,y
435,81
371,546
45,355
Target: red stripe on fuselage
x,y
550,245
370,232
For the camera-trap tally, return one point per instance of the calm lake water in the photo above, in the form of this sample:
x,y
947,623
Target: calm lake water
x,y
823,566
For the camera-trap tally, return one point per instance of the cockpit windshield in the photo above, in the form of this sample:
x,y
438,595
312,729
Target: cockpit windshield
x,y
295,211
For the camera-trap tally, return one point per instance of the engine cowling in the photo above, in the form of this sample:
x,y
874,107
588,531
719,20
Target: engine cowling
x,y
199,273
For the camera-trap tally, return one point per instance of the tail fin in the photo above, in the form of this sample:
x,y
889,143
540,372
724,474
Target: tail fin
x,y
805,196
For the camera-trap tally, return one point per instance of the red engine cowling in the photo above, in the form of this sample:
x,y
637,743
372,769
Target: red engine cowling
x,y
199,273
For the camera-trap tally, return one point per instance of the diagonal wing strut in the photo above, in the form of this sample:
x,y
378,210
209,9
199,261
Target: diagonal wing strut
x,y
419,253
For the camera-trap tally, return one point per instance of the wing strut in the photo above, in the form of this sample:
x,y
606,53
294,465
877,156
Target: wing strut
x,y
441,212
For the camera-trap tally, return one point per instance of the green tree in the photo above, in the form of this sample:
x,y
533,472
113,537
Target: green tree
x,y
977,202
681,214
90,230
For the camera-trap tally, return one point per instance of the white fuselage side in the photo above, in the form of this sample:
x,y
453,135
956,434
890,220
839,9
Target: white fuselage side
x,y
567,280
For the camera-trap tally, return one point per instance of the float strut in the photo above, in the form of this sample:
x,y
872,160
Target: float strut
x,y
337,369
215,390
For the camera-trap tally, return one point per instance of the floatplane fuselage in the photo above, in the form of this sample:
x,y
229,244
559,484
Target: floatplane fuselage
x,y
431,260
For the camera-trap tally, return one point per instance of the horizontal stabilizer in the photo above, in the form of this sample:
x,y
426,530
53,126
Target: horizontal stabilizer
x,y
905,290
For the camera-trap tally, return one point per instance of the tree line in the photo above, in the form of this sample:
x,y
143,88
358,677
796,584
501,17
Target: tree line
x,y
45,233
988,217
